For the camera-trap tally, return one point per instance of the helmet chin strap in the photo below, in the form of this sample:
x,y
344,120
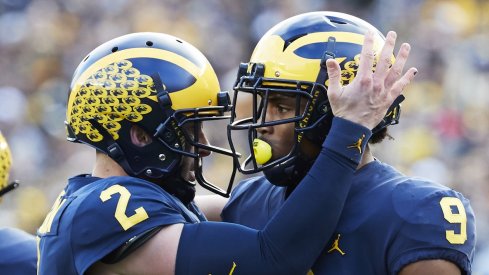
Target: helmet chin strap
x,y
173,182
177,186
290,173
8,188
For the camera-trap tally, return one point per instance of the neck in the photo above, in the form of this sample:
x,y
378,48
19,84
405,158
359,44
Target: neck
x,y
106,167
366,158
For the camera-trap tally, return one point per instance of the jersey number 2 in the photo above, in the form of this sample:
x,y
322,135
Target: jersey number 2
x,y
448,205
120,211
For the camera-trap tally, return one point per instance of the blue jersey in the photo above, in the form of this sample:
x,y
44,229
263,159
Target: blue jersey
x,y
17,252
389,221
93,216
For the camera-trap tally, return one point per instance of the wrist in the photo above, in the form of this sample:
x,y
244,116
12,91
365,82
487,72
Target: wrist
x,y
347,138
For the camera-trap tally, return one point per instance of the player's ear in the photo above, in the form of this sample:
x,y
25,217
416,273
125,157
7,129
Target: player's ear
x,y
139,137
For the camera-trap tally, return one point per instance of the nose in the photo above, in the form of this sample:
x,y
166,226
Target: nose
x,y
203,140
266,130
269,117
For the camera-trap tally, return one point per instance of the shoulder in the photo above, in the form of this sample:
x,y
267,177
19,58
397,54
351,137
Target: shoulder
x,y
257,191
107,213
415,194
13,235
438,223
255,186
128,193
125,203
18,250
253,202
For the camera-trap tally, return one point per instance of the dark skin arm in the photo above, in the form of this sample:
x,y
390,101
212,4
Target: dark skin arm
x,y
431,267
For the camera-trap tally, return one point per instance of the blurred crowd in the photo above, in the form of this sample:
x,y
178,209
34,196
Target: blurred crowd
x,y
444,129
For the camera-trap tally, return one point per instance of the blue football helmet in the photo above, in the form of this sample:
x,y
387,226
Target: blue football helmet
x,y
157,82
290,60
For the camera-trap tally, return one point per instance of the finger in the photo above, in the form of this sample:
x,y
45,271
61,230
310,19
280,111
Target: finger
x,y
401,84
366,56
385,58
334,78
398,67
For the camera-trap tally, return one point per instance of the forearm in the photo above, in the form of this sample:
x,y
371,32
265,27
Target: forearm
x,y
293,239
320,197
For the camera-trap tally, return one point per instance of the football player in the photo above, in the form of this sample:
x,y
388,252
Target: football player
x,y
391,224
141,100
17,248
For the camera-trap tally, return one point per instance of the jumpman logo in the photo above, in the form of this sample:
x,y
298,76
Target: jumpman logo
x,y
358,144
336,246
232,269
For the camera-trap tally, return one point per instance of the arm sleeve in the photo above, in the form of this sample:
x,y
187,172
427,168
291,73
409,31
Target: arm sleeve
x,y
439,226
295,236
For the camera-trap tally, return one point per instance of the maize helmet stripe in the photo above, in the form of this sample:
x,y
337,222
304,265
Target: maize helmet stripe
x,y
153,82
288,60
5,162
179,100
294,64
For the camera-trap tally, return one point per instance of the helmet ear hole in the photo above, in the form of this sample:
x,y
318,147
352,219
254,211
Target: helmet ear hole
x,y
293,57
139,137
130,96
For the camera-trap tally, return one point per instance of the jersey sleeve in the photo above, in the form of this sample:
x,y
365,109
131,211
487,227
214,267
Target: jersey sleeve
x,y
18,252
440,225
238,198
294,237
114,213
253,203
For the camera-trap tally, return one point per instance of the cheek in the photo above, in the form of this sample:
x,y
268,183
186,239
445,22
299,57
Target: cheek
x,y
287,145
185,165
285,141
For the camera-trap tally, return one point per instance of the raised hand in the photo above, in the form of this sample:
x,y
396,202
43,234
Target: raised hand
x,y
366,99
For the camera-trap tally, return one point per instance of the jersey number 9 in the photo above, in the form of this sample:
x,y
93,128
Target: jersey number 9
x,y
454,212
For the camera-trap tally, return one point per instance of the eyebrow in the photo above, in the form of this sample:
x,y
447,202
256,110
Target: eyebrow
x,y
290,100
280,97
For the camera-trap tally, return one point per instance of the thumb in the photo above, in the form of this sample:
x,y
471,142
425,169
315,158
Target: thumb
x,y
334,77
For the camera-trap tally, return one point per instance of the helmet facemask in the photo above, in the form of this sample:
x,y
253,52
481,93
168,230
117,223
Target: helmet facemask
x,y
155,82
191,123
291,59
311,120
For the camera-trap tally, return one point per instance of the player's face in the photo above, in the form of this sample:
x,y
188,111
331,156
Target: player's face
x,y
281,136
188,170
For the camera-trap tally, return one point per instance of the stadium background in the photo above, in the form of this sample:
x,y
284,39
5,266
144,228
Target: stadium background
x,y
444,130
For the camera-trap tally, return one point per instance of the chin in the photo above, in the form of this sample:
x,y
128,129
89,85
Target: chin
x,y
191,181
